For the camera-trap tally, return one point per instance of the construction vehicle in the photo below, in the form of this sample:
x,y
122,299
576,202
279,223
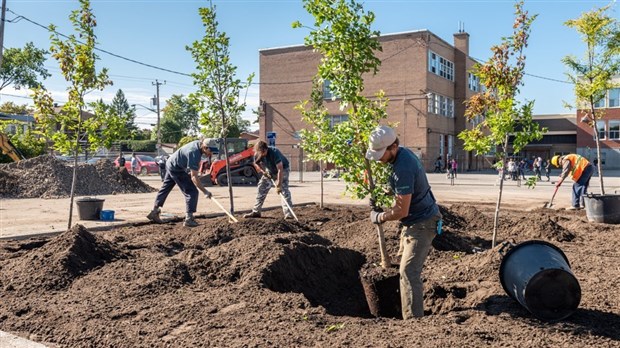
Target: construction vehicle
x,y
8,149
241,159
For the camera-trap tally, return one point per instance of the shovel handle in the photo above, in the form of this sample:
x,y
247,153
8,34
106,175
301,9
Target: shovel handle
x,y
224,210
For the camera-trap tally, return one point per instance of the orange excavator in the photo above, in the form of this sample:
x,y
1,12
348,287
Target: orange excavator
x,y
241,159
8,148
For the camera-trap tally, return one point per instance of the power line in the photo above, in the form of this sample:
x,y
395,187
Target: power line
x,y
19,17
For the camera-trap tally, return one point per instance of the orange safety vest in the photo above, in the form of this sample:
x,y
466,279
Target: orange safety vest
x,y
578,164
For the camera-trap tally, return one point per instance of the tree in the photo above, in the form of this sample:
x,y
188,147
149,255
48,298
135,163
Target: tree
x,y
504,117
12,108
121,108
22,67
69,128
343,36
218,96
180,109
171,131
593,75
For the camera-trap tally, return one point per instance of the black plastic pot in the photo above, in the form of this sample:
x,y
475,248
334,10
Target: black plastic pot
x,y
89,208
537,274
603,208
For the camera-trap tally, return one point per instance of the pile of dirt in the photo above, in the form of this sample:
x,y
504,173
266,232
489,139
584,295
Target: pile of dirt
x,y
47,177
271,282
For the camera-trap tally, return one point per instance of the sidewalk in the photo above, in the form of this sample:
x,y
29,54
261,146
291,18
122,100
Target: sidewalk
x,y
31,217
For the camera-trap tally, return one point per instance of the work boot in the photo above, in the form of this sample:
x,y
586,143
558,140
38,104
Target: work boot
x,y
189,221
252,214
154,216
572,208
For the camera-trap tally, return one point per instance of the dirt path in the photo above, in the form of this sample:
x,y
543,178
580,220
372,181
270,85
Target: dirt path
x,y
270,282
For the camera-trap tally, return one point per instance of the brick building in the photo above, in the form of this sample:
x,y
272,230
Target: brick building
x,y
425,78
608,128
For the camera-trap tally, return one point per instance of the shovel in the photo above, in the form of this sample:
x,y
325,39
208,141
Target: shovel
x,y
550,204
223,209
285,202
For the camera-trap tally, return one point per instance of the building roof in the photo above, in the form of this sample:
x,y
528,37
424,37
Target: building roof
x,y
557,124
20,118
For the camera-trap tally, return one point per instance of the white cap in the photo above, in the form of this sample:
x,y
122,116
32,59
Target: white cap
x,y
379,140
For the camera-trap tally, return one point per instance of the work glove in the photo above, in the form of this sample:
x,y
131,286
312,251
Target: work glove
x,y
267,175
375,215
279,189
208,194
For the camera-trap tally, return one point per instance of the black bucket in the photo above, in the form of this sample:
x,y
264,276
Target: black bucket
x,y
603,208
537,274
89,208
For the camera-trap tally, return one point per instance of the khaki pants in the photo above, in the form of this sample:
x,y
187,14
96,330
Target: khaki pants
x,y
415,244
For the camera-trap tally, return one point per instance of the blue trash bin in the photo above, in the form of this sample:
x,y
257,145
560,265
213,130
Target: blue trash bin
x,y
537,274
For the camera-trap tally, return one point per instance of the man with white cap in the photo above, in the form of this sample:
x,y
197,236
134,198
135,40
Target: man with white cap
x,y
416,209
186,158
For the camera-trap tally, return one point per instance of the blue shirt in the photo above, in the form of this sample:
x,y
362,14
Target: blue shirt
x,y
408,177
272,158
187,157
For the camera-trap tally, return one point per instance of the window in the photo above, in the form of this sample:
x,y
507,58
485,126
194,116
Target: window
x,y
336,119
327,93
441,140
440,105
600,127
614,129
614,98
432,62
440,66
473,82
11,129
451,144
600,103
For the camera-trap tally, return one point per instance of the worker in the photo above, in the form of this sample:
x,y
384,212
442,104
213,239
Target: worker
x,y
275,168
580,170
415,207
187,157
134,164
121,161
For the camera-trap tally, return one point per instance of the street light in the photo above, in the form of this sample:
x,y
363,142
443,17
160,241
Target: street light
x,y
158,123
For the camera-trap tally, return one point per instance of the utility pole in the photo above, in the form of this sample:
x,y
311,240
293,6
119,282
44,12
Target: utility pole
x,y
2,22
156,84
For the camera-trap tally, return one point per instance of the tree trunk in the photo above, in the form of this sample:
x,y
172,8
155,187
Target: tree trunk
x,y
598,154
499,195
75,164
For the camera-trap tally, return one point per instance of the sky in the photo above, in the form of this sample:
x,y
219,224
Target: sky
x,y
153,34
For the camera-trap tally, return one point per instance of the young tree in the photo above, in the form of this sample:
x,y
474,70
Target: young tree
x,y
218,96
593,75
22,67
504,117
120,108
342,34
69,128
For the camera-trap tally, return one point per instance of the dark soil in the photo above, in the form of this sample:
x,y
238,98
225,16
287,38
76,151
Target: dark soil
x,y
274,283
48,177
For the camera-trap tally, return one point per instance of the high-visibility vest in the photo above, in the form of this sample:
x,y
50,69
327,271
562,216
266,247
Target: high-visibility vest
x,y
578,164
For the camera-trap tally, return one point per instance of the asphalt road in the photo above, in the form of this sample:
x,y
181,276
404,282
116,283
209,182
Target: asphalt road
x,y
21,218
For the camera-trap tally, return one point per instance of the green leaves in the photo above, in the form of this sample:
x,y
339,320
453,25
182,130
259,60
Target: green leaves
x,y
342,35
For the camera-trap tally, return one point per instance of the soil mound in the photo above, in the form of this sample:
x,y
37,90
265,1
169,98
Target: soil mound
x,y
56,264
47,177
270,282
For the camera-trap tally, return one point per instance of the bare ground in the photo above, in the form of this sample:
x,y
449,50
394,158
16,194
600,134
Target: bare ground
x,y
274,283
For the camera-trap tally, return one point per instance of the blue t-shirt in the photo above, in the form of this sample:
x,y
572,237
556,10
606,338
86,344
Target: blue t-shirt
x,y
273,157
408,177
187,157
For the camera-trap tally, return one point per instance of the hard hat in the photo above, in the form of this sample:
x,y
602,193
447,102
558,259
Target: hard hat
x,y
555,160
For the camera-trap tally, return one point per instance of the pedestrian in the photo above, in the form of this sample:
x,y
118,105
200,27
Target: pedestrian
x,y
522,166
177,166
437,165
547,169
537,164
414,207
134,164
580,170
121,161
275,169
512,169
161,162
455,166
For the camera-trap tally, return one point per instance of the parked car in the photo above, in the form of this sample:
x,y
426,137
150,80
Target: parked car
x,y
146,164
